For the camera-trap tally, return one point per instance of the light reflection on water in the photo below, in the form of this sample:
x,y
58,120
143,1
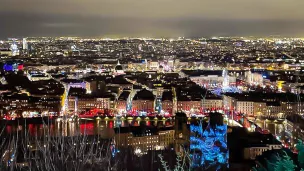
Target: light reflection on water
x,y
102,128
88,127
274,128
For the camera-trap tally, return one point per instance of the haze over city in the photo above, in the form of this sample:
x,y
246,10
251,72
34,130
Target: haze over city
x,y
157,18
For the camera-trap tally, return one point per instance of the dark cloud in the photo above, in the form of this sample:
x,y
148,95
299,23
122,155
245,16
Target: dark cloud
x,y
158,18
210,9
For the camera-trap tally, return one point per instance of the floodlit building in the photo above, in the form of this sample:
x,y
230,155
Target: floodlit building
x,y
87,103
145,139
143,100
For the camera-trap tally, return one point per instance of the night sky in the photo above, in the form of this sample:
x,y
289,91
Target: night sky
x,y
154,18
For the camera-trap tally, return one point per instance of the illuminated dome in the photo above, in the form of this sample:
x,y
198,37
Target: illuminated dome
x,y
118,69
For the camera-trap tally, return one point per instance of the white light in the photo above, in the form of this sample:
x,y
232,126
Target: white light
x,y
138,151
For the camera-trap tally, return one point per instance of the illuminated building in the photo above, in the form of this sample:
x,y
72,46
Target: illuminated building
x,y
166,138
29,106
297,108
295,129
144,143
96,87
37,76
153,65
5,52
72,83
8,67
143,101
259,109
167,102
275,110
123,101
189,98
140,46
188,105
20,67
24,44
254,78
209,78
86,103
118,70
171,63
251,152
144,139
271,110
13,66
14,49
280,85
208,143
229,102
158,91
246,107
212,103
264,105
225,78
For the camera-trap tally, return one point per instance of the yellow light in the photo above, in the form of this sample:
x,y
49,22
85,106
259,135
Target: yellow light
x,y
280,84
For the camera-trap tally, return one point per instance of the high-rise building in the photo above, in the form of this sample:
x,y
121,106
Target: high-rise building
x,y
14,49
24,44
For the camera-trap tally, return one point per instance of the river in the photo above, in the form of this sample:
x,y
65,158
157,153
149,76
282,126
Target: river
x,y
83,126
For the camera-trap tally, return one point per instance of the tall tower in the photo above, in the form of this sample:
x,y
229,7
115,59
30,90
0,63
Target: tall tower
x,y
140,47
24,44
14,49
226,78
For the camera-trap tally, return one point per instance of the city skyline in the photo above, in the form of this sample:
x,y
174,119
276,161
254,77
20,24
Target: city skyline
x,y
151,85
145,96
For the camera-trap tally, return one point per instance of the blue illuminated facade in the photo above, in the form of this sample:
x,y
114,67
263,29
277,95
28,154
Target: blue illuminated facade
x,y
12,66
158,105
209,146
8,67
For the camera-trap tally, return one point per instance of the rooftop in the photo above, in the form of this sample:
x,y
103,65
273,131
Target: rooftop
x,y
144,94
124,95
167,95
266,97
193,73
